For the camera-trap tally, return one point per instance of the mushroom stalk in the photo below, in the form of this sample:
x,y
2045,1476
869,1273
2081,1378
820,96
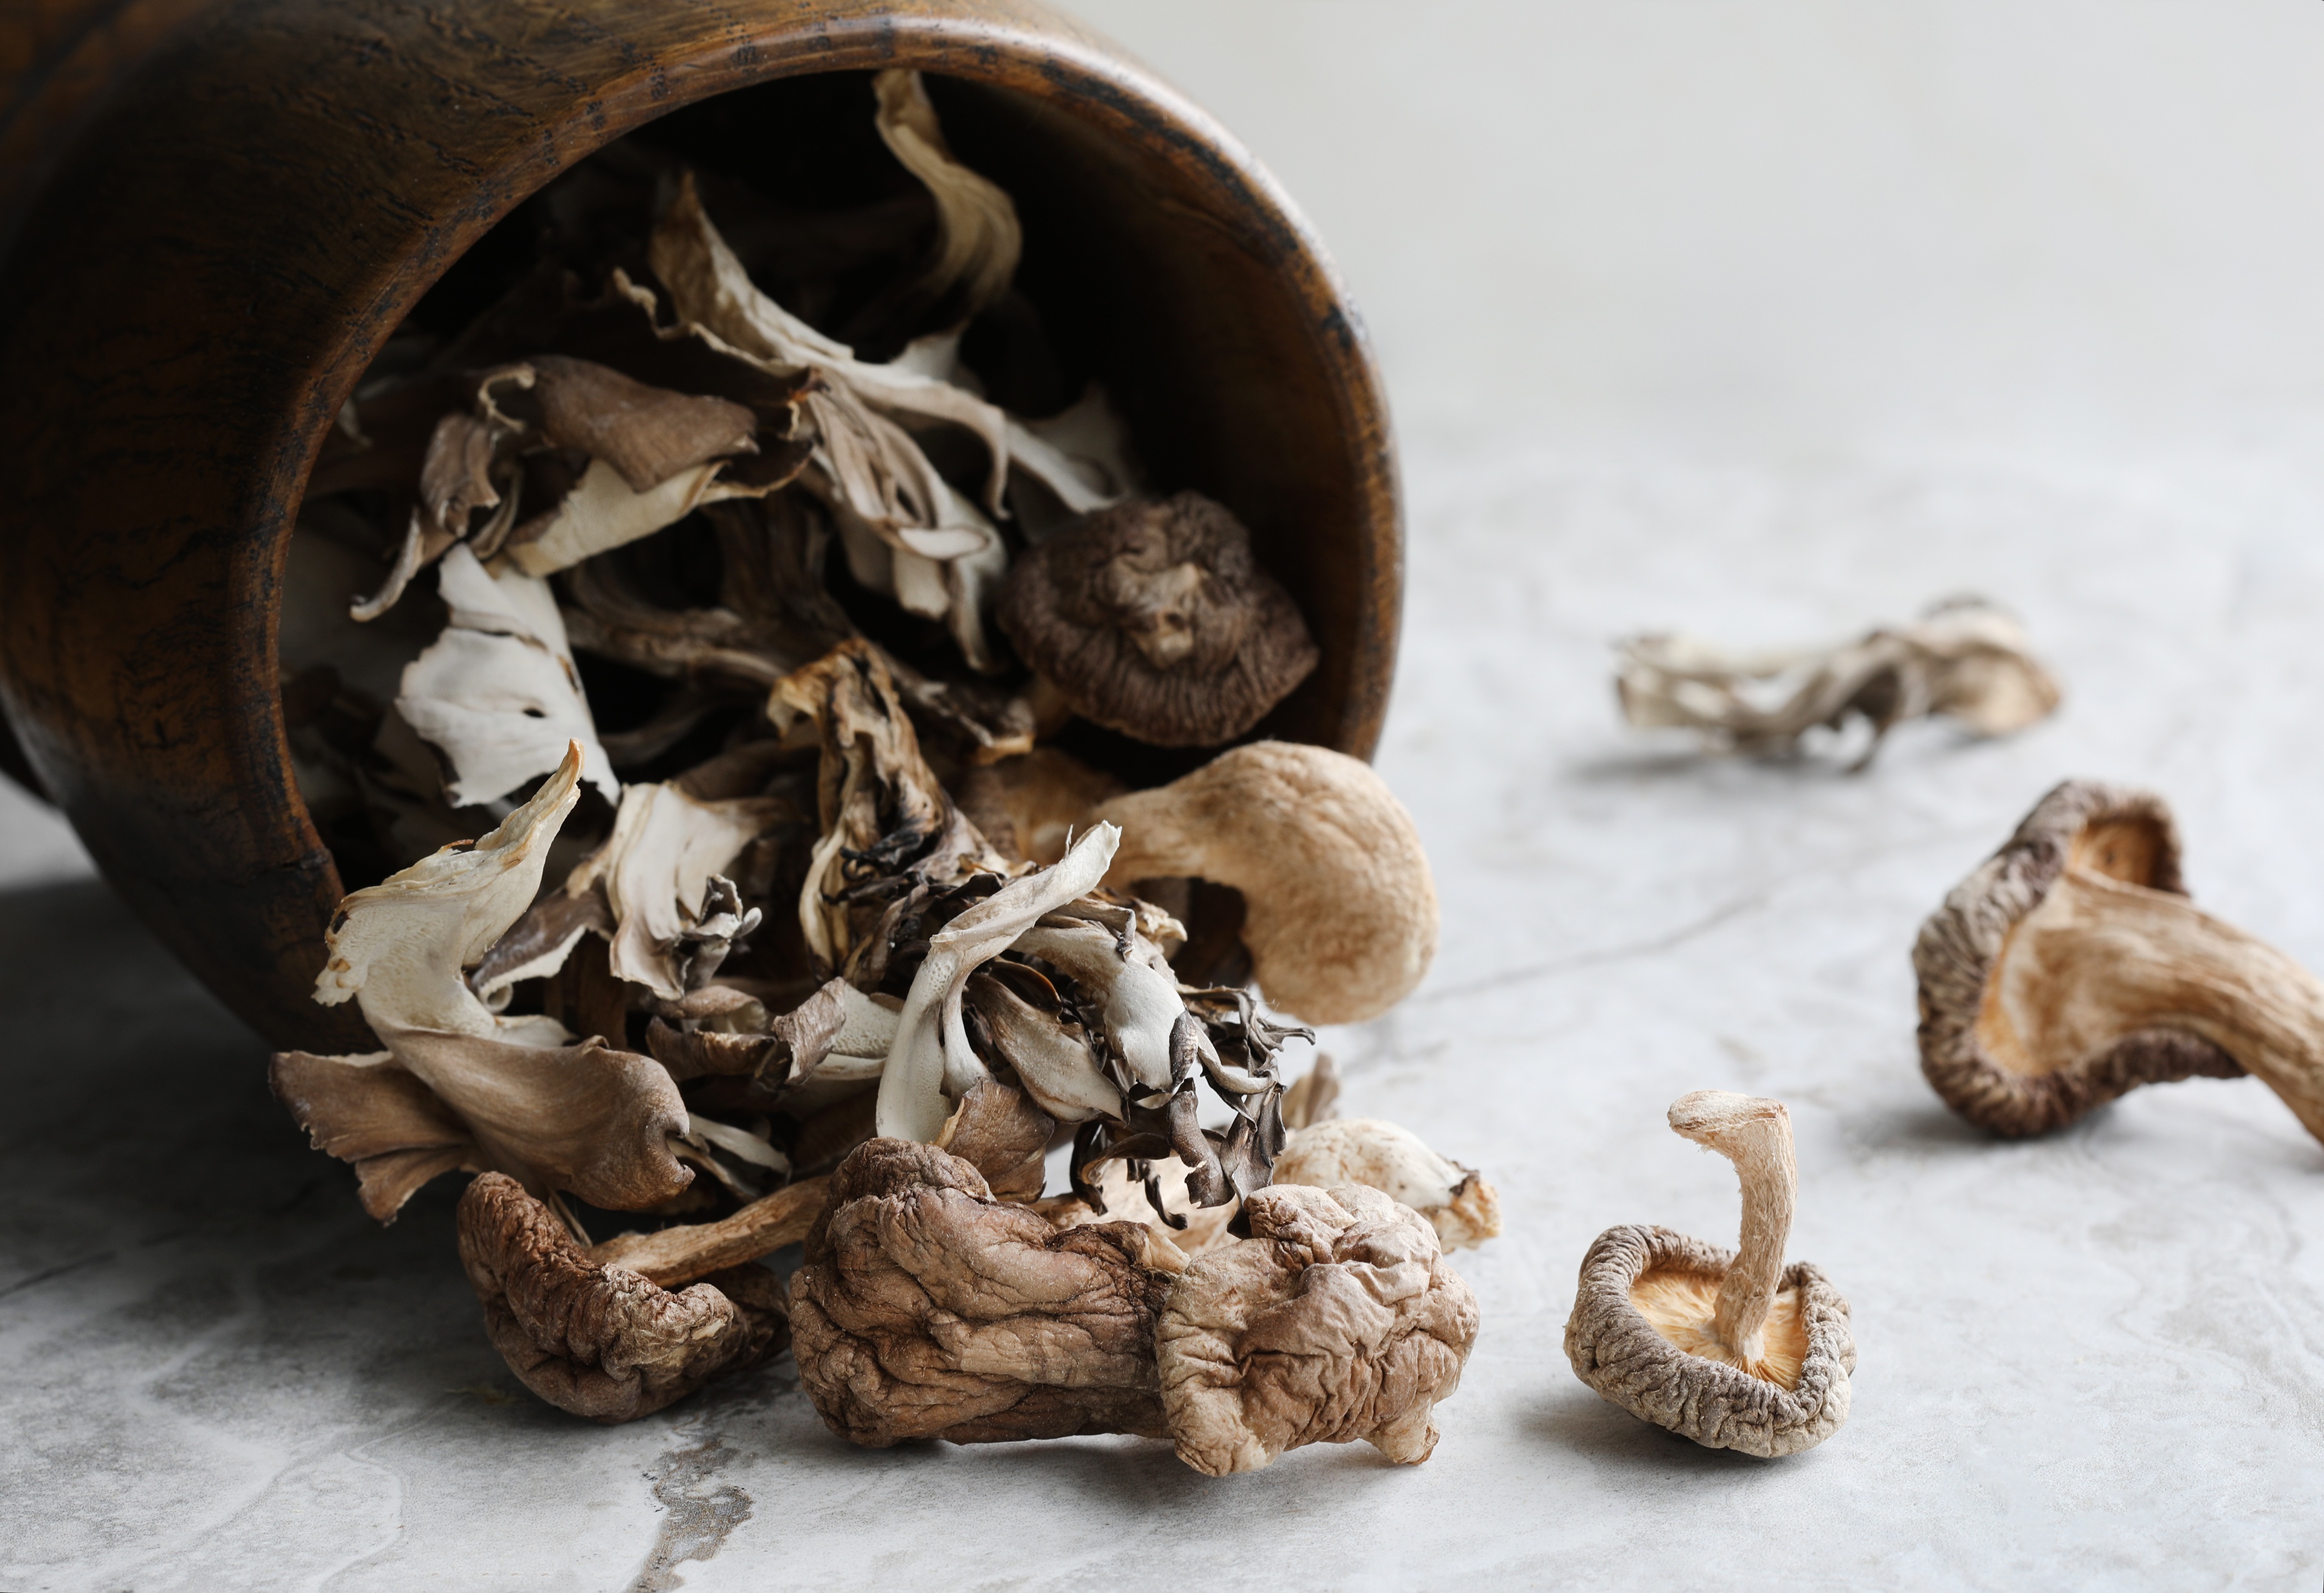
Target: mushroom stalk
x,y
2102,958
1755,1134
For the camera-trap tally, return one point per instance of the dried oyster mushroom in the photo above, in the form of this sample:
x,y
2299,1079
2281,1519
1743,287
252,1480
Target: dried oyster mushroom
x,y
1734,1351
2070,968
585,1118
596,1339
1340,908
1965,659
928,1309
663,873
1154,620
1457,1200
1337,1320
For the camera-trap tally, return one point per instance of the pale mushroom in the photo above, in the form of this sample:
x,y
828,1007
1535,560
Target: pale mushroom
x,y
1341,912
2070,968
1457,1200
1965,659
1337,1320
662,873
1732,1349
1154,618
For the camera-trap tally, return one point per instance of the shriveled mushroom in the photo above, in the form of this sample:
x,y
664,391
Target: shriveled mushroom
x,y
585,1119
597,1339
662,873
928,1309
2070,968
1154,618
1337,1320
1964,659
1456,1200
1340,908
499,694
1730,1349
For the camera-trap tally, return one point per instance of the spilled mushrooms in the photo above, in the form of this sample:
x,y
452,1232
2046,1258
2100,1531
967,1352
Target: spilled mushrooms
x,y
1730,1349
1964,659
649,638
2070,968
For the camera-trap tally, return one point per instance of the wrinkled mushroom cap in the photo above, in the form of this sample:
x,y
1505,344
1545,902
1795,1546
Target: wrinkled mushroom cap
x,y
1458,1202
1153,619
1338,1320
1617,1350
1969,1049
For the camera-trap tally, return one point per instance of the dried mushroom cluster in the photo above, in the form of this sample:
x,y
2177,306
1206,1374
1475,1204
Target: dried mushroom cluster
x,y
779,928
1964,659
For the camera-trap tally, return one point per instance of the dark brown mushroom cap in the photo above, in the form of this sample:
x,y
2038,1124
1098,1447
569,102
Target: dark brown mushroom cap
x,y
1337,1320
2112,830
1619,1353
928,1309
1153,619
600,1341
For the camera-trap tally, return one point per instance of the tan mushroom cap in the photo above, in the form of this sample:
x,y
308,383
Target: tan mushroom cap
x,y
599,1339
1337,1320
1458,1202
1154,620
1340,907
1729,1349
2069,969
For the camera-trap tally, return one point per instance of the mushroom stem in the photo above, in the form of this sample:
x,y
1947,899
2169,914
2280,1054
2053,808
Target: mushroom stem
x,y
675,1256
1755,1134
2103,958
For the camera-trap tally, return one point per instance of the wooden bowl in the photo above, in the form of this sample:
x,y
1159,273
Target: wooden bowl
x,y
238,207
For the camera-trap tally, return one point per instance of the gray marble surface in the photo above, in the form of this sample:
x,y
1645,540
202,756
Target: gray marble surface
x,y
2093,1360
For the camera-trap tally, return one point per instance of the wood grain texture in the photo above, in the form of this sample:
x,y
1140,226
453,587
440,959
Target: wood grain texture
x,y
254,205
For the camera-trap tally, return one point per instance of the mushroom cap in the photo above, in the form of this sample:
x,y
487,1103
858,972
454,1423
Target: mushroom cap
x,y
1458,1202
1154,620
1338,1320
2117,831
1619,1352
928,1309
599,1339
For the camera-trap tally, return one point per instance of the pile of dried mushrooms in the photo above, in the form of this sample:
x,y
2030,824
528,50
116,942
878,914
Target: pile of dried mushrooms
x,y
680,636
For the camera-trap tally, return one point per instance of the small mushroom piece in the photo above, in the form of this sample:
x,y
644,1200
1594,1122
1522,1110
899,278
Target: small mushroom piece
x,y
978,237
1340,911
1457,1200
1154,620
596,1339
1337,1320
928,1309
661,869
1965,659
1732,1349
499,694
2070,968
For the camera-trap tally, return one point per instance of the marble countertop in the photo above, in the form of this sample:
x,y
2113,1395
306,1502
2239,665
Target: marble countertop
x,y
2093,1359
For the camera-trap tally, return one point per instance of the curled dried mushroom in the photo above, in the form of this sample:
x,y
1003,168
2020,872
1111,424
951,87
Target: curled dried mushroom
x,y
1965,659
2070,968
1732,1349
1457,1200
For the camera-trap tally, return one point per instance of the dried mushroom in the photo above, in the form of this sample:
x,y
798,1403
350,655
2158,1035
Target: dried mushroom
x,y
587,1118
663,875
1732,1349
1337,1320
1154,618
597,1339
2070,968
1456,1200
1964,659
1340,909
928,1309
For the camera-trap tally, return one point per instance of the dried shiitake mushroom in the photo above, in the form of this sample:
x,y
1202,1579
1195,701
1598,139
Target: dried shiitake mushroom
x,y
1153,619
1964,659
1456,1200
1340,911
2070,968
1732,1349
1337,1320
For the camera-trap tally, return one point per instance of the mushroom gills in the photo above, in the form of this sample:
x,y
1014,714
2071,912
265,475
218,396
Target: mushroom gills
x,y
1682,1305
